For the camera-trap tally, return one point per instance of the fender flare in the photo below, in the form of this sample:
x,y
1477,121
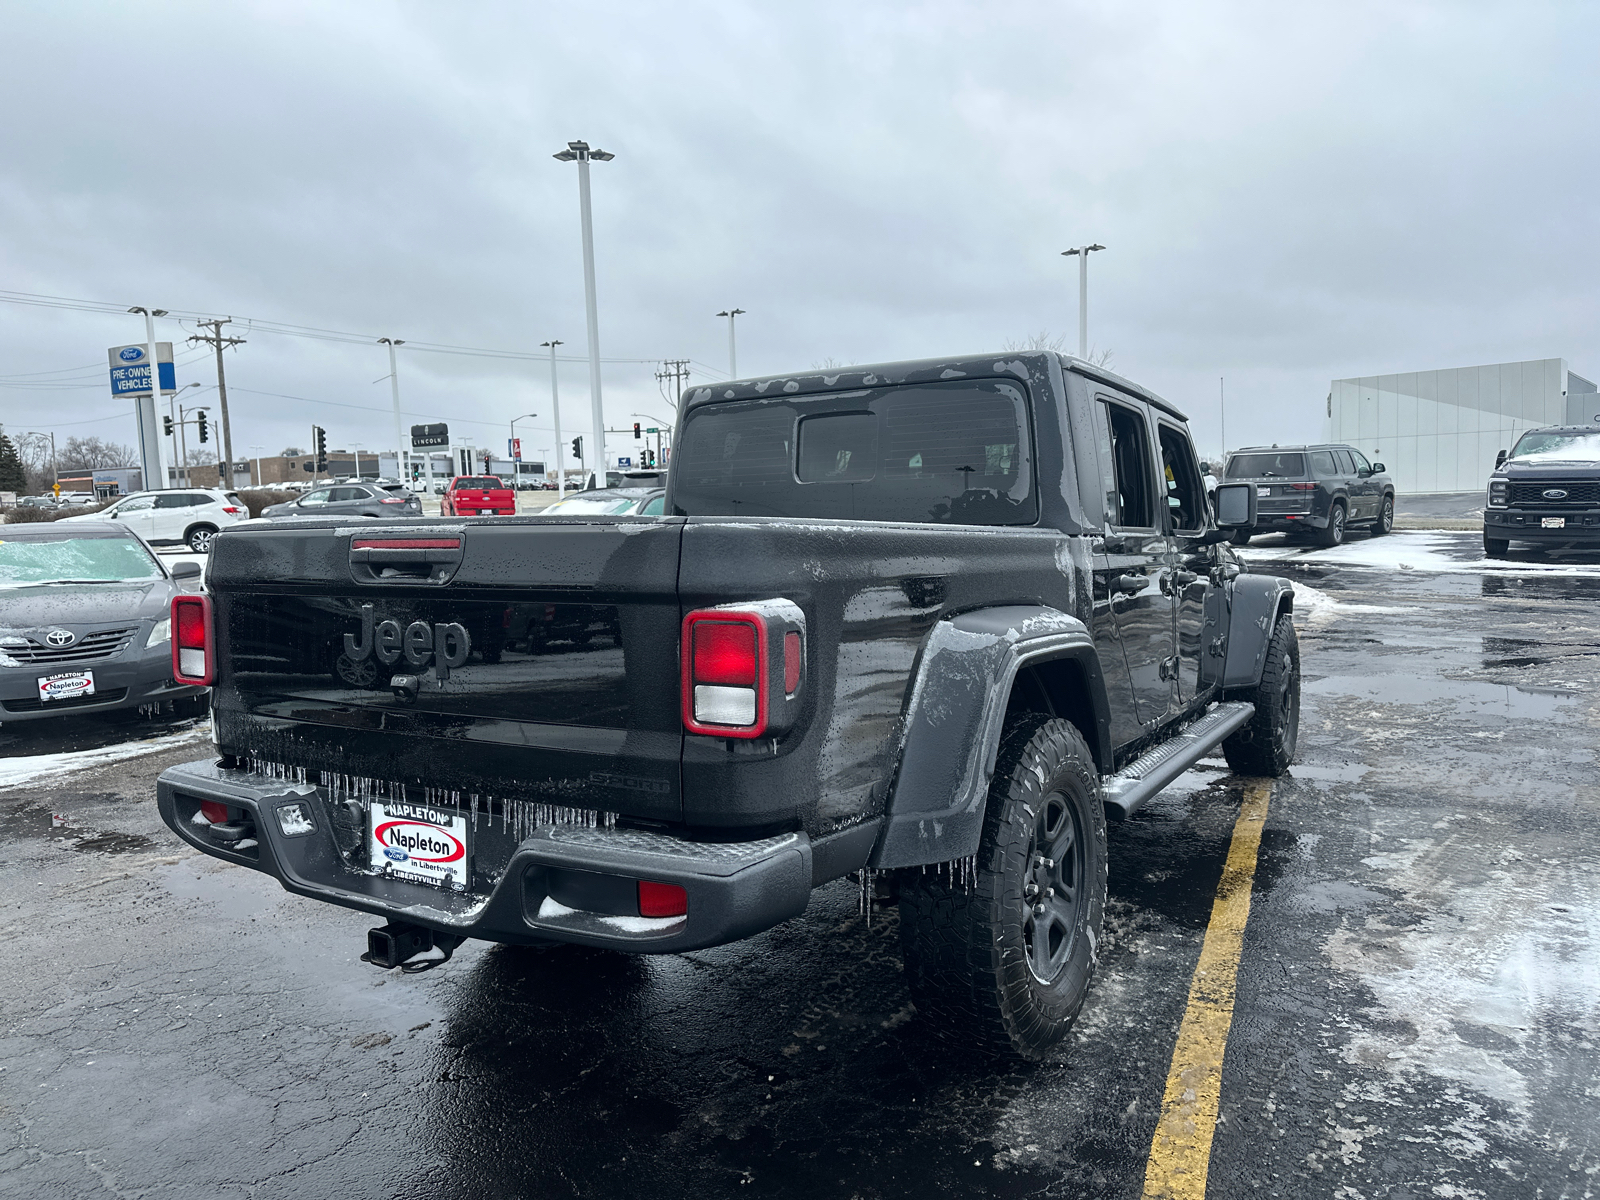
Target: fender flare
x,y
953,722
1253,613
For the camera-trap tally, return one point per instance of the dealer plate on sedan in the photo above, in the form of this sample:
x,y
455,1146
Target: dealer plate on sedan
x,y
1552,522
419,842
68,685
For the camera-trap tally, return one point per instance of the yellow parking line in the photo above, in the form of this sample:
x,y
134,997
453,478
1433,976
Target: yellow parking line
x,y
1180,1152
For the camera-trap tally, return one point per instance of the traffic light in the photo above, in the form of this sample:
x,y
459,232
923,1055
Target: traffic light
x,y
200,424
577,448
636,431
166,426
319,437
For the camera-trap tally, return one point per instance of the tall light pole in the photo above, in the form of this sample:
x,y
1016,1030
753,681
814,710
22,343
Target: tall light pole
x,y
733,353
1082,255
150,463
181,471
394,389
580,153
258,448
516,462
555,404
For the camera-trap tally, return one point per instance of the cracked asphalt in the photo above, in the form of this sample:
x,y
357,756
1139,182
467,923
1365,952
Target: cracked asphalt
x,y
1418,1008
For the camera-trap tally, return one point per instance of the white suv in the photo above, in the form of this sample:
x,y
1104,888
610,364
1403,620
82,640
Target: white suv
x,y
183,516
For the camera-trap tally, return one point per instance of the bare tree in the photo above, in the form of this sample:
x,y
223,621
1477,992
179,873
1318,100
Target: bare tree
x,y
200,456
92,454
1044,340
829,364
291,452
34,451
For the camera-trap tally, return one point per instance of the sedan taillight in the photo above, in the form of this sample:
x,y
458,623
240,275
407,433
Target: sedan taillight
x,y
193,660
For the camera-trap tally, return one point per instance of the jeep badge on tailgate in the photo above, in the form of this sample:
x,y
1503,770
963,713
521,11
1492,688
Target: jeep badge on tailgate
x,y
446,645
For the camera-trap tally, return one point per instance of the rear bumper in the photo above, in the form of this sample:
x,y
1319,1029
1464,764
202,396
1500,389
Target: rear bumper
x,y
734,889
1277,522
1582,528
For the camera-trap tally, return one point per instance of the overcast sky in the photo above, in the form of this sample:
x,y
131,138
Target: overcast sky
x,y
1288,194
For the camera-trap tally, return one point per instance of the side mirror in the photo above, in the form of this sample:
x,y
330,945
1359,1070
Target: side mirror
x,y
1499,460
186,570
1235,505
1378,468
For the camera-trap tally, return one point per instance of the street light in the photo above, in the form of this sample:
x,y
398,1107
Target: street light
x,y
1082,254
150,464
399,436
516,462
181,471
733,357
257,447
555,404
580,153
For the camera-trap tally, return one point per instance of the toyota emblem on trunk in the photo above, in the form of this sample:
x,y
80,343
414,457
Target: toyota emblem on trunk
x,y
1555,494
60,637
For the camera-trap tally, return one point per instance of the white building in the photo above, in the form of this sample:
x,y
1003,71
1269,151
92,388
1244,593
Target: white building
x,y
1438,431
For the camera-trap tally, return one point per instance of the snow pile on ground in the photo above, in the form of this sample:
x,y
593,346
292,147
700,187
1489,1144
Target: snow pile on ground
x,y
1426,553
1315,606
32,767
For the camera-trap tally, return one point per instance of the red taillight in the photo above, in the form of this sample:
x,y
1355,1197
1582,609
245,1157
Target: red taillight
x,y
232,511
725,653
214,812
1301,487
662,899
392,500
192,659
724,673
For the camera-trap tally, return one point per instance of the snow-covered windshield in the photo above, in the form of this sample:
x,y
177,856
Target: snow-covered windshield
x,y
1567,447
75,559
583,504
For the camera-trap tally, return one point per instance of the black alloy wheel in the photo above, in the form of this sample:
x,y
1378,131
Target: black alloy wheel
x,y
1266,744
999,958
1333,535
1385,522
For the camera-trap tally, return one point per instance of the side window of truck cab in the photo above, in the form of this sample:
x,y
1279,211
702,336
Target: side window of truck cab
x,y
1185,492
1125,465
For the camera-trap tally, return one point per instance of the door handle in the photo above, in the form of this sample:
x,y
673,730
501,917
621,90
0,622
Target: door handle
x,y
1183,578
1130,583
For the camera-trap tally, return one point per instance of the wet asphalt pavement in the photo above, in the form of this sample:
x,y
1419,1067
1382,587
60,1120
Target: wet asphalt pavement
x,y
1418,1011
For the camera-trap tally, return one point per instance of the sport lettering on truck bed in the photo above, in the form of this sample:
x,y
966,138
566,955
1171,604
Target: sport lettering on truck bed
x,y
926,625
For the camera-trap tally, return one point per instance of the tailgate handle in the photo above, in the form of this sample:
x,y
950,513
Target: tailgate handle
x,y
405,559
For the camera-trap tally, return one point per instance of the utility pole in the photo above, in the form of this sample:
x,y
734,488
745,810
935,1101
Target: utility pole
x,y
733,353
580,153
215,338
1222,396
399,437
555,405
674,376
1082,255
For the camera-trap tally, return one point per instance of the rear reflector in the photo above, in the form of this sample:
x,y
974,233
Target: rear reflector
x,y
192,660
662,899
405,543
791,662
214,812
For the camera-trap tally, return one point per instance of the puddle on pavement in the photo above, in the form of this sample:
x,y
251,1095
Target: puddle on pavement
x,y
1542,587
28,821
232,893
1530,652
1488,699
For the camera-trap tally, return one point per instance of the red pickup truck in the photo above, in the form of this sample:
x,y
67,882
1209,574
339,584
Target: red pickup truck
x,y
478,496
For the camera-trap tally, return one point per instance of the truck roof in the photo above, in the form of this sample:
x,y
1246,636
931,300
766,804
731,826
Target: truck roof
x,y
917,370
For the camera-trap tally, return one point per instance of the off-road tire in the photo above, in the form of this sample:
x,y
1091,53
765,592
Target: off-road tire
x,y
1266,745
1496,547
970,946
1333,535
1385,522
1241,537
199,539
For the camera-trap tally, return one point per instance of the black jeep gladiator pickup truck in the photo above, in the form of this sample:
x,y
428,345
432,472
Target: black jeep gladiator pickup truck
x,y
927,624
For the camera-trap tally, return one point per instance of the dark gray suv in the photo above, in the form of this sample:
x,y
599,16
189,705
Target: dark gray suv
x,y
1320,491
352,500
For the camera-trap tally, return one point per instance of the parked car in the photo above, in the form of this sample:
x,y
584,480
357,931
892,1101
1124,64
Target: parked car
x,y
179,516
478,496
84,622
76,498
38,502
1546,490
349,499
931,626
1319,491
614,502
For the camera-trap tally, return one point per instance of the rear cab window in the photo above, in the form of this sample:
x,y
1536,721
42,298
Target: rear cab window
x,y
950,452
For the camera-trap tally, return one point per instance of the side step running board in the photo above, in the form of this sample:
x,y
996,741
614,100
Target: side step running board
x,y
1126,792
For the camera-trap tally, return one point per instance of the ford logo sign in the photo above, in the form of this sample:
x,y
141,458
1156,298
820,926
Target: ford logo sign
x,y
394,855
130,353
64,637
1555,494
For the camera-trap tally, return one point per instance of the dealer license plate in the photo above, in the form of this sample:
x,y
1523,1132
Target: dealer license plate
x,y
66,686
1263,491
417,841
1552,522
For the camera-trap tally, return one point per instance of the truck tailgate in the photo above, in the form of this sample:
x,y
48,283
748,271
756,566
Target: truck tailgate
x,y
533,659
